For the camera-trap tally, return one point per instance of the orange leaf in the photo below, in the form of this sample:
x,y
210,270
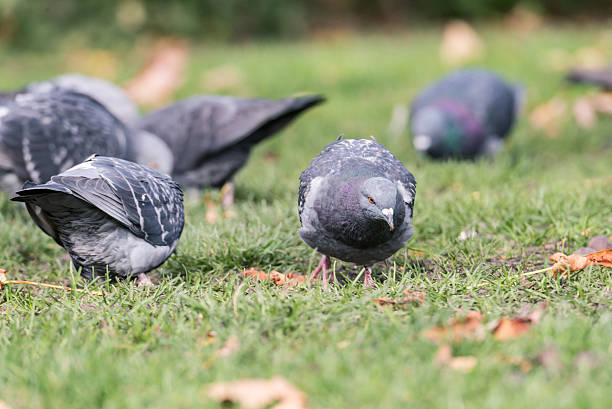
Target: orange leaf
x,y
259,393
289,279
259,275
460,43
601,258
457,329
414,297
511,328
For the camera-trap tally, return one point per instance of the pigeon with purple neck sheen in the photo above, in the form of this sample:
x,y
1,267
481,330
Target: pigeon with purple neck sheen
x,y
111,215
465,114
355,203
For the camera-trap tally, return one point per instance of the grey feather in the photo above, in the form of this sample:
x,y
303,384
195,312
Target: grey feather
x,y
332,202
211,136
110,215
105,92
463,113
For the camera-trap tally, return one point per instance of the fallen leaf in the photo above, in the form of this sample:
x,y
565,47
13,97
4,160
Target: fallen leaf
x,y
563,263
212,215
584,113
411,297
280,279
259,393
445,358
460,43
162,75
231,345
601,258
547,116
468,327
510,328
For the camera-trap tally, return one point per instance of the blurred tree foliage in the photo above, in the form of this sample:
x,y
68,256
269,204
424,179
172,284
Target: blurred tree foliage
x,y
34,23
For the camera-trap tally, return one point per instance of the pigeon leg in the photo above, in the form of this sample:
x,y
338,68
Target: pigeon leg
x,y
227,195
143,281
367,278
324,265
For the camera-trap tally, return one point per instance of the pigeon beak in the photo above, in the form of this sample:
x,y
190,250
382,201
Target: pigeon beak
x,y
388,213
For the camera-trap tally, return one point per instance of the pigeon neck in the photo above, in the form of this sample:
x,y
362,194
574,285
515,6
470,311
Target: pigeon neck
x,y
466,119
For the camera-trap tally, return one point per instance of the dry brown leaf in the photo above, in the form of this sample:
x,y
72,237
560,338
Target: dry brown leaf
x,y
162,75
444,357
259,393
602,102
584,113
599,243
511,328
460,43
411,297
468,327
601,258
231,345
280,279
547,117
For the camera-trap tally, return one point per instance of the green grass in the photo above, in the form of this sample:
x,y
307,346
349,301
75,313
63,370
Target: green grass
x,y
137,348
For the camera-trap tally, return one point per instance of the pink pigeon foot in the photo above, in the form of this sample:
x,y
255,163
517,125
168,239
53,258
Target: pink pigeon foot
x,y
324,267
367,278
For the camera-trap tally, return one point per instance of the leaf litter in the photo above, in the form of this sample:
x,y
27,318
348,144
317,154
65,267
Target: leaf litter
x,y
259,393
287,280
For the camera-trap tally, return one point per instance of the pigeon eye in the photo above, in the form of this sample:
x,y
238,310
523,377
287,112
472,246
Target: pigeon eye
x,y
371,200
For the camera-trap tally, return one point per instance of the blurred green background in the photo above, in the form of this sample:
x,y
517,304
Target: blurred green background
x,y
41,23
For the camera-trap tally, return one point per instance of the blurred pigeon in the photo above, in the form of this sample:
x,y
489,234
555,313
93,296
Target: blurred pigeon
x,y
599,77
211,136
105,92
110,215
465,114
355,203
45,133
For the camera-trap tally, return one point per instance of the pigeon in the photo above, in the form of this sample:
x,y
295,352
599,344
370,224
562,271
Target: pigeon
x,y
211,136
43,133
464,115
599,77
105,92
112,216
355,203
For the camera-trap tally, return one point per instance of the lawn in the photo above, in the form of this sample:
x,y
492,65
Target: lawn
x,y
159,347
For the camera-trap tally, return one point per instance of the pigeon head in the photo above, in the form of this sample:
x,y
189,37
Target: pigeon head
x,y
446,129
378,200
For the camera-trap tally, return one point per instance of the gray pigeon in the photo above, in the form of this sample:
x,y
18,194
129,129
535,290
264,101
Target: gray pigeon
x,y
355,203
211,136
110,215
45,133
465,114
107,93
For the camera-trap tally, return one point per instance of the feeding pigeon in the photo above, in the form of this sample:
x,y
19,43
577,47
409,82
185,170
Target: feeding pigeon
x,y
355,203
600,77
211,136
45,133
465,114
105,92
109,214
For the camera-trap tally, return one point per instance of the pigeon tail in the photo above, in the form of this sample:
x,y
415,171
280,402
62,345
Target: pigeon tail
x,y
275,124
